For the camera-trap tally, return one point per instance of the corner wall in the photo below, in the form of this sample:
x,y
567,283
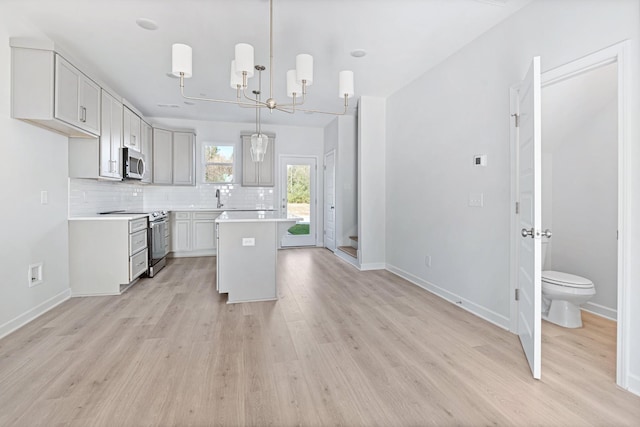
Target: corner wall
x,y
461,108
31,160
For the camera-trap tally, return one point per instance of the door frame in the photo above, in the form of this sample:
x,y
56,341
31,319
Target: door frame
x,y
324,200
314,191
618,53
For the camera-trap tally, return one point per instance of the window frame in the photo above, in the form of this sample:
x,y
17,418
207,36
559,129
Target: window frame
x,y
204,163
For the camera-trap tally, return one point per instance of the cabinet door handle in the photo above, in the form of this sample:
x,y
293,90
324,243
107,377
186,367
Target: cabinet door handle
x,y
83,114
133,140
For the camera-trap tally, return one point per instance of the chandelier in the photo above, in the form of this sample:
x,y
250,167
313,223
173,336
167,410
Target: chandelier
x,y
242,69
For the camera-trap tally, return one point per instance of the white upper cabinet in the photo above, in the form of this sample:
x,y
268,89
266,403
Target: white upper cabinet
x,y
111,137
132,130
162,156
49,91
101,157
184,158
77,98
257,174
146,145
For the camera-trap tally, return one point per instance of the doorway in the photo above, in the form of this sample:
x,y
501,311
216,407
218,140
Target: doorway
x,y
298,195
330,200
618,55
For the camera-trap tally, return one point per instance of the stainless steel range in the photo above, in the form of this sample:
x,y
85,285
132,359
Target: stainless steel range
x,y
158,241
157,235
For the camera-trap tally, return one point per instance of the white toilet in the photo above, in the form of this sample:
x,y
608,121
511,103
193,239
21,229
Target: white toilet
x,y
562,295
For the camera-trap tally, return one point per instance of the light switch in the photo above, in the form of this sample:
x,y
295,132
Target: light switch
x,y
476,200
44,197
248,241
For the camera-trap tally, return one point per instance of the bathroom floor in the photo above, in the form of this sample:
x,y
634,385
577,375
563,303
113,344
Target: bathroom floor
x,y
588,353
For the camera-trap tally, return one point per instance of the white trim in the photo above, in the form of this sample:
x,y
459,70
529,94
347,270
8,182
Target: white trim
x,y
34,313
316,207
600,310
617,53
372,265
346,258
476,309
633,382
192,254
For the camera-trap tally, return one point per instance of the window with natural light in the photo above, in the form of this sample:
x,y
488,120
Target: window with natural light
x,y
218,163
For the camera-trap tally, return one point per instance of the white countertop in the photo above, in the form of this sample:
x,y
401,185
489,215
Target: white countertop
x,y
111,217
254,216
216,210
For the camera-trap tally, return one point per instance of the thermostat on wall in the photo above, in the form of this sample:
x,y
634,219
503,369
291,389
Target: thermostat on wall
x,y
480,160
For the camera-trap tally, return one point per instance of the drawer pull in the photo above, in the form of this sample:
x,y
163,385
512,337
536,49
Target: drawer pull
x,y
140,263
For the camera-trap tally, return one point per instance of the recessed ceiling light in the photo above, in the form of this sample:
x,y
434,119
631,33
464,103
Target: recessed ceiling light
x,y
168,106
358,53
147,24
189,103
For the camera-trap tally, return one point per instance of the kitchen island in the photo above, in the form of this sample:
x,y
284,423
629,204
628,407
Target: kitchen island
x,y
247,249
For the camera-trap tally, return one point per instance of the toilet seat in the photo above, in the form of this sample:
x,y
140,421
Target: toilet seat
x,y
565,279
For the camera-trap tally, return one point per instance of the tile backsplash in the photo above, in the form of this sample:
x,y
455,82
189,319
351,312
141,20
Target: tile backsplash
x,y
204,196
87,197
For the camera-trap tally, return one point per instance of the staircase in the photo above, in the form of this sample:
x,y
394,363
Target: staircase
x,y
351,250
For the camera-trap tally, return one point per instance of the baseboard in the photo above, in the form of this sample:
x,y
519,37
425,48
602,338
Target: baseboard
x,y
192,254
35,312
473,308
600,310
373,266
633,383
348,259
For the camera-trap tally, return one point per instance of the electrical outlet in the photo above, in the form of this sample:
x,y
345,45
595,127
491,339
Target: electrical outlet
x,y
35,275
248,241
427,260
476,200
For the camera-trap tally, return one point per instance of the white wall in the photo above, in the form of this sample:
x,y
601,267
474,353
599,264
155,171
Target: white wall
x,y
372,186
461,108
347,186
31,160
580,143
340,135
290,140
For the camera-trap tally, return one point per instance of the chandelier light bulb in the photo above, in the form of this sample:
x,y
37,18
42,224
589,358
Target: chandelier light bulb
x,y
235,79
244,59
292,84
304,68
181,60
346,84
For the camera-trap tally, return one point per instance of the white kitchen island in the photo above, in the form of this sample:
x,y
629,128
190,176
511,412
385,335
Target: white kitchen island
x,y
247,249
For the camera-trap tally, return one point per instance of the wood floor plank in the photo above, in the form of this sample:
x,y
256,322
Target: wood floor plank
x,y
339,347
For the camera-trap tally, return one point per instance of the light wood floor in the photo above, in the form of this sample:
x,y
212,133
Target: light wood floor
x,y
340,347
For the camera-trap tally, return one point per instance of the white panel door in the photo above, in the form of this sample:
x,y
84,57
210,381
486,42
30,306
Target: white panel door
x,y
529,286
298,177
330,200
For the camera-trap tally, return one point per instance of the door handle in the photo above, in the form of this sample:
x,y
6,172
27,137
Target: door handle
x,y
546,233
526,232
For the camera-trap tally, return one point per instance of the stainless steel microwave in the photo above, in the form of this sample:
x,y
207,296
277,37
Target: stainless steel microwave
x,y
133,164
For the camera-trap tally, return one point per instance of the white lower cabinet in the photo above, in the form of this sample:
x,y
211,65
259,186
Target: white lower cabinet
x,y
193,233
106,255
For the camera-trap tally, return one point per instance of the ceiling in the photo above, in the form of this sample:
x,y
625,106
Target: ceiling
x,y
402,38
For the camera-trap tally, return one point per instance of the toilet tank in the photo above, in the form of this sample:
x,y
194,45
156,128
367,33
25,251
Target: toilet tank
x,y
545,243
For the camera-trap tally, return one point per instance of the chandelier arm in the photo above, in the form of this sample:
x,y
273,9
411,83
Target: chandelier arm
x,y
294,104
222,101
346,105
285,110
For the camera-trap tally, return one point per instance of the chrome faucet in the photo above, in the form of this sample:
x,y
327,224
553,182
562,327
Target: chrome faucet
x,y
218,197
